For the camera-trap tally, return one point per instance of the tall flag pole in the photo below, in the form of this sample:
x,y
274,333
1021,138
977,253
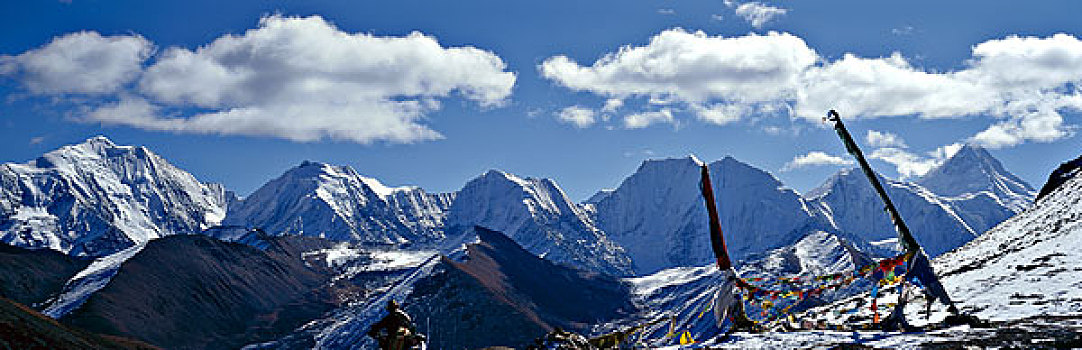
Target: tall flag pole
x,y
920,268
717,240
727,303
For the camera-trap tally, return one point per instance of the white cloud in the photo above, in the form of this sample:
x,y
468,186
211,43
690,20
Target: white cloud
x,y
612,104
717,17
79,63
666,11
693,68
578,116
815,158
884,139
906,30
296,121
890,86
1022,84
759,14
721,114
644,119
910,164
300,79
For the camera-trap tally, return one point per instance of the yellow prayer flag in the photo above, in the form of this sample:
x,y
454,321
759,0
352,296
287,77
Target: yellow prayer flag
x,y
686,339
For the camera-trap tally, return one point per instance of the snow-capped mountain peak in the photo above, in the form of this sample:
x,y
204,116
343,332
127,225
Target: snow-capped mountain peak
x,y
956,201
96,198
658,215
338,203
973,170
538,215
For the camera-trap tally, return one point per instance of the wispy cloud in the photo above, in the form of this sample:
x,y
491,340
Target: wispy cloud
x,y
759,14
815,158
884,139
906,30
578,116
644,119
909,164
666,11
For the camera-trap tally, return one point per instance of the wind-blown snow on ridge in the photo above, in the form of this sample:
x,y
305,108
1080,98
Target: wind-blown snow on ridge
x,y
97,198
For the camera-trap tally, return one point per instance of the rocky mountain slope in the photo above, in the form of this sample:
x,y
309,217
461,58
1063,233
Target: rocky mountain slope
x,y
31,277
503,295
1066,171
199,292
24,328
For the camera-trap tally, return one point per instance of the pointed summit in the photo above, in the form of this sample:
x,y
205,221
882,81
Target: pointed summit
x,y
539,216
657,213
96,198
973,170
337,203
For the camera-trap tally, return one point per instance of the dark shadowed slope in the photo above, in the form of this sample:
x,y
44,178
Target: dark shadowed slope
x,y
32,276
199,292
1064,172
503,295
23,328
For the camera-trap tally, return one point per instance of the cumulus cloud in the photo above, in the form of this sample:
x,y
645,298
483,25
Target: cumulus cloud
x,y
711,74
815,158
644,119
1022,84
759,14
910,164
884,139
300,79
79,63
692,67
578,116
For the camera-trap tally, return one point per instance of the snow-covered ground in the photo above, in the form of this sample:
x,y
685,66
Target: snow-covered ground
x,y
88,281
1029,265
1024,276
1060,333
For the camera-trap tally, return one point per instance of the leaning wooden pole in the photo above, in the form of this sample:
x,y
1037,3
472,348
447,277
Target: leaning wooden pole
x,y
727,304
717,240
920,266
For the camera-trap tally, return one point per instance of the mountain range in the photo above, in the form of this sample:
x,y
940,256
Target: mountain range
x,y
106,210
97,198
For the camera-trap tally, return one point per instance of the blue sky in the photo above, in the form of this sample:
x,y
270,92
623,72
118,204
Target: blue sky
x,y
485,83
